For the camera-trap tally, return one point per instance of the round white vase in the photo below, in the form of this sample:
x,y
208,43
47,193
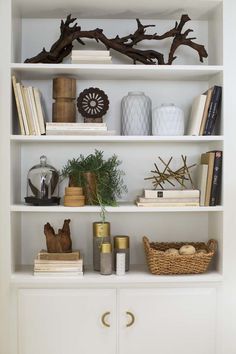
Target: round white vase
x,y
168,120
136,114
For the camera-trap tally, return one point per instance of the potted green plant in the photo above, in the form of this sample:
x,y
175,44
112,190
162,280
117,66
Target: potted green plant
x,y
101,178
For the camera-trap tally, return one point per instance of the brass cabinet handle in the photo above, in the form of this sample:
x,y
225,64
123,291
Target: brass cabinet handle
x,y
103,319
129,324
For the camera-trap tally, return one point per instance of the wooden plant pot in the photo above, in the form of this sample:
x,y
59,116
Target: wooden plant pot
x,y
74,197
90,189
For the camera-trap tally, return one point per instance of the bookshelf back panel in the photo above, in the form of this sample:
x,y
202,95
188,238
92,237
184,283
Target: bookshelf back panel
x,y
158,227
179,93
137,160
36,33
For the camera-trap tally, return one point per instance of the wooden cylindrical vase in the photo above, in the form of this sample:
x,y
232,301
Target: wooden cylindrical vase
x,y
74,197
90,189
64,92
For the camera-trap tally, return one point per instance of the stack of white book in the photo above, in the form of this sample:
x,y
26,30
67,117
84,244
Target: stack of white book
x,y
78,129
29,109
169,198
90,57
58,264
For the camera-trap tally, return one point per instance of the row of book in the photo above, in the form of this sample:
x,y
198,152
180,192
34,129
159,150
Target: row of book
x,y
209,178
78,129
91,57
58,264
207,194
169,198
205,112
29,109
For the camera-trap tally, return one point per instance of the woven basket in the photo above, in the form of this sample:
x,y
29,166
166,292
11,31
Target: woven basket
x,y
161,263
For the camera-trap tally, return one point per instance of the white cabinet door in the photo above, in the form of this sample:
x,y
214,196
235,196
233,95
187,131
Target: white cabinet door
x,y
167,321
64,321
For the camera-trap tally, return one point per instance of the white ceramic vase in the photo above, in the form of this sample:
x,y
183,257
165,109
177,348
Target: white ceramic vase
x,y
136,114
168,120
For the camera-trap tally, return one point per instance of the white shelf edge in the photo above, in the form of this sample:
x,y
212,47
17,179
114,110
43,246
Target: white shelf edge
x,y
115,138
137,275
122,208
118,71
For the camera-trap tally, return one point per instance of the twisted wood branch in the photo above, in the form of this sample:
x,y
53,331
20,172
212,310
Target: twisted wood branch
x,y
71,31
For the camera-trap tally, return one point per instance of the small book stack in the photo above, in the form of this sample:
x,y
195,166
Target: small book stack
x,y
78,129
90,57
29,109
205,112
58,264
209,178
169,198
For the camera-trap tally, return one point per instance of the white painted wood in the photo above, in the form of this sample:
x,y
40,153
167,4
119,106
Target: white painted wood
x,y
121,208
117,71
115,139
66,321
138,275
168,321
122,9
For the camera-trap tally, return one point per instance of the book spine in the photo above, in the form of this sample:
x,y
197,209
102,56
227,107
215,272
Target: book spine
x,y
22,129
150,205
168,200
216,178
213,110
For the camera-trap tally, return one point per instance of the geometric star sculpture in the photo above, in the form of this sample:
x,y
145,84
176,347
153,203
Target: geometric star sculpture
x,y
182,175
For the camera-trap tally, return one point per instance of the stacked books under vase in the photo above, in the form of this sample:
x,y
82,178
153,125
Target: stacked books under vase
x,y
58,264
169,198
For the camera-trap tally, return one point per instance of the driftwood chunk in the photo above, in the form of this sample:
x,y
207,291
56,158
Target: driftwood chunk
x,y
60,242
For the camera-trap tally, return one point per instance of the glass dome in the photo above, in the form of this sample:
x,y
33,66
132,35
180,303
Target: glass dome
x,y
43,184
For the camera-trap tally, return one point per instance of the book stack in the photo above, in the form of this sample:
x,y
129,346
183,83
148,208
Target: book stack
x,y
29,109
90,57
58,264
78,129
209,178
169,198
205,112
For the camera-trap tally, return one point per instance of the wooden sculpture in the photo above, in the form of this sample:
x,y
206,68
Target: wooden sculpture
x,y
64,93
93,104
60,242
124,45
181,175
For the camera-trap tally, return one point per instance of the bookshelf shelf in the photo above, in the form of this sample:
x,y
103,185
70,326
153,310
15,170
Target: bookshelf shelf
x,y
138,274
116,139
122,208
118,71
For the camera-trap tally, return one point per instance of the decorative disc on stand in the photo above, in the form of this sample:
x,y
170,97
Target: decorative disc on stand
x,y
93,104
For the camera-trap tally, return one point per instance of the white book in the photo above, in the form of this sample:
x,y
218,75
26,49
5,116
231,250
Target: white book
x,y
53,262
196,115
22,129
72,128
91,57
39,110
33,109
22,106
59,274
168,200
80,132
91,61
26,100
160,205
103,53
202,171
77,125
171,193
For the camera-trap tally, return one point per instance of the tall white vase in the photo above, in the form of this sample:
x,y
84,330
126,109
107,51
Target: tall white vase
x,y
136,114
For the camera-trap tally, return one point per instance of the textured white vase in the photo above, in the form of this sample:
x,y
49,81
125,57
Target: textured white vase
x,y
168,120
136,114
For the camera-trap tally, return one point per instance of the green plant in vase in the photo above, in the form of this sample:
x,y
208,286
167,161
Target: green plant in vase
x,y
101,178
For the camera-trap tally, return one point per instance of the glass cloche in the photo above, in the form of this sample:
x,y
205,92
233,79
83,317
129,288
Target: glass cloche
x,y
43,184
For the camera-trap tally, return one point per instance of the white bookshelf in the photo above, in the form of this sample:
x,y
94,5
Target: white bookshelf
x,y
179,83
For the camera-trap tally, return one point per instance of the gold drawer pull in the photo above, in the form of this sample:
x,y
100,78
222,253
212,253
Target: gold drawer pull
x,y
103,319
129,324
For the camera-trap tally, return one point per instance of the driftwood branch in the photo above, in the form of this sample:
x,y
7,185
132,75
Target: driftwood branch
x,y
71,31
